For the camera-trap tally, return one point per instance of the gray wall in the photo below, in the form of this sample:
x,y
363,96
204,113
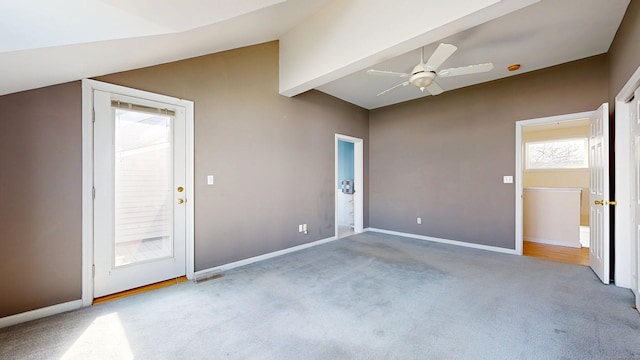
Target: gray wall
x,y
442,158
272,156
40,182
451,175
624,53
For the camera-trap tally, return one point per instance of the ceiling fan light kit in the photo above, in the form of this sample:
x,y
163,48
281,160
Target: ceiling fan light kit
x,y
423,75
421,78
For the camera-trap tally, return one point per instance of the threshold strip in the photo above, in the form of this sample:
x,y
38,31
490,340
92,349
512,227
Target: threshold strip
x,y
139,290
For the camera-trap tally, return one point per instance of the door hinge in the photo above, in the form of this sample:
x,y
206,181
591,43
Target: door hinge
x,y
93,193
93,271
93,115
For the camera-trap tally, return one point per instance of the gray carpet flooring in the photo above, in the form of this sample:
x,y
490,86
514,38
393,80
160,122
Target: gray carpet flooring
x,y
369,296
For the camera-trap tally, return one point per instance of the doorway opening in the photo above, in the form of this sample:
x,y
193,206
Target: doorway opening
x,y
599,190
349,177
555,181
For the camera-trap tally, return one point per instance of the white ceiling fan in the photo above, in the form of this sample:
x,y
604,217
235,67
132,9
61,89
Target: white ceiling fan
x,y
423,74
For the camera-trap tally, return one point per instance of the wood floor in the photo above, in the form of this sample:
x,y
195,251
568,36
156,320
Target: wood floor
x,y
139,290
557,253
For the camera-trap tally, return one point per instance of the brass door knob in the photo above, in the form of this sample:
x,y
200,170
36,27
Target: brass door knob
x,y
180,189
180,201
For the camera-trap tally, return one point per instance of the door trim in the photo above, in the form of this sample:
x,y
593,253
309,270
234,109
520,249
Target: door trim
x,y
520,169
358,179
88,86
623,186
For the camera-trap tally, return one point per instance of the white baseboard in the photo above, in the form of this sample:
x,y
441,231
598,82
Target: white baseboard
x,y
577,245
203,274
39,313
445,241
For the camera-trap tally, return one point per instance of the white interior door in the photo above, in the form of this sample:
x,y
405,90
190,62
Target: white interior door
x,y
599,192
635,194
139,181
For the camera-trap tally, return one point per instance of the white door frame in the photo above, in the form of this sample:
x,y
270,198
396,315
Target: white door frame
x,y
520,168
623,186
88,86
358,179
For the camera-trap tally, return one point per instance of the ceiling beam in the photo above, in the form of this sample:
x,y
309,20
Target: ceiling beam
x,y
350,35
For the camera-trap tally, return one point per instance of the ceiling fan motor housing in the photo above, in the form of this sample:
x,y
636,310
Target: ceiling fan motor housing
x,y
421,77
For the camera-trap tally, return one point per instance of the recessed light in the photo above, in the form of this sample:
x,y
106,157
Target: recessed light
x,y
513,67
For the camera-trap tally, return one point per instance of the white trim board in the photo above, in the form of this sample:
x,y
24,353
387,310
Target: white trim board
x,y
39,313
445,241
552,242
623,229
88,86
203,274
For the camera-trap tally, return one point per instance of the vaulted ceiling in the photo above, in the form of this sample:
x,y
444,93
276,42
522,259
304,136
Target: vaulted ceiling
x,y
324,44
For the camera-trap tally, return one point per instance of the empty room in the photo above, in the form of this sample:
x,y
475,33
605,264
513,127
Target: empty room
x,y
322,179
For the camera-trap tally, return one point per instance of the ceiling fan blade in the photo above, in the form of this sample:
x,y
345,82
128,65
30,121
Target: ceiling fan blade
x,y
393,88
387,73
434,88
466,70
441,55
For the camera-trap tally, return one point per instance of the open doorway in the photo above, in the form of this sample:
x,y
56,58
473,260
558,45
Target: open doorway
x,y
555,190
349,200
599,190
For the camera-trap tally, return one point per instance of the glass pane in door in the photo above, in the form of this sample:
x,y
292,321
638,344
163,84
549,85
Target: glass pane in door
x,y
143,187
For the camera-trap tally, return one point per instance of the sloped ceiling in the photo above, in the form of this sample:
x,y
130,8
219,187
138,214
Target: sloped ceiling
x,y
324,44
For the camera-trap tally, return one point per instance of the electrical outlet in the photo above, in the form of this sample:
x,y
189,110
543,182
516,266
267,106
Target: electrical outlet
x,y
419,220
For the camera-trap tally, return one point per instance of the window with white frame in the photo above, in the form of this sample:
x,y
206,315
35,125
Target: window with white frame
x,y
557,154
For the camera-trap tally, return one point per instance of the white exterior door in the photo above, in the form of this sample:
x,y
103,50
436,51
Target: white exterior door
x,y
139,181
635,194
599,193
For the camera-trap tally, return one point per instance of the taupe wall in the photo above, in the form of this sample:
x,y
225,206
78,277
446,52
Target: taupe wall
x,y
441,148
443,158
40,193
272,156
624,53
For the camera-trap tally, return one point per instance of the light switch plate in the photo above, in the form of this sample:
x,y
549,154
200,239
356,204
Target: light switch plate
x,y
209,179
507,179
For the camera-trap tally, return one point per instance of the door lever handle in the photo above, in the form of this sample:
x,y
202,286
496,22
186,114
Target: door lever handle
x,y
599,202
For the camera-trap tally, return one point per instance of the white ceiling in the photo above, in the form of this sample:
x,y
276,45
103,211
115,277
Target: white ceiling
x,y
44,42
544,34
